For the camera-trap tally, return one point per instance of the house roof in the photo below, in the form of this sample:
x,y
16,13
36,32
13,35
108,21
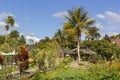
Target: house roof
x,y
116,41
10,53
85,50
82,49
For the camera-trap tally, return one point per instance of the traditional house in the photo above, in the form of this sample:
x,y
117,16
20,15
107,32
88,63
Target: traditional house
x,y
113,40
116,41
84,52
10,60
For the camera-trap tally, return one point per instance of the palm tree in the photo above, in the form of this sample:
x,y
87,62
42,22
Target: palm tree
x,y
93,33
60,37
78,20
9,23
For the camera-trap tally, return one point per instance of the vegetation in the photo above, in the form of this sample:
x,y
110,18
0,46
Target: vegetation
x,y
103,48
78,21
96,71
53,57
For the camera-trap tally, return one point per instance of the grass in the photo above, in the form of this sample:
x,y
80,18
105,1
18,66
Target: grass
x,y
95,72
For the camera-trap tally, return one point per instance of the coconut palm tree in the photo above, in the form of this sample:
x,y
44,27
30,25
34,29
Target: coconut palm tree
x,y
9,23
93,33
60,37
78,20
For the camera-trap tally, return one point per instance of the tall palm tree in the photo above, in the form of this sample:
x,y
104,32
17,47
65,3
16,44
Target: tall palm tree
x,y
9,23
93,33
79,20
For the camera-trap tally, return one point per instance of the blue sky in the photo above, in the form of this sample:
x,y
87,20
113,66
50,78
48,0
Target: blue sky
x,y
41,18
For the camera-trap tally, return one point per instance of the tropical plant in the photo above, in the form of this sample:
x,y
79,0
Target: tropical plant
x,y
23,58
78,20
60,37
93,33
9,23
115,36
1,60
102,47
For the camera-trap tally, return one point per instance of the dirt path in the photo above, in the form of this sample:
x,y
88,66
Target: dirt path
x,y
27,72
75,65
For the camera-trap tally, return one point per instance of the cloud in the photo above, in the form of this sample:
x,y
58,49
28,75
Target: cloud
x,y
111,22
100,16
60,14
109,33
35,39
2,23
16,25
98,25
112,18
4,15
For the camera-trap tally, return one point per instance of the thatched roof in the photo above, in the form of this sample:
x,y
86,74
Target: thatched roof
x,y
10,53
85,50
116,41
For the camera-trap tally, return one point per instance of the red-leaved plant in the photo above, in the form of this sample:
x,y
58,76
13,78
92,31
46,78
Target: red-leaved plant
x,y
23,60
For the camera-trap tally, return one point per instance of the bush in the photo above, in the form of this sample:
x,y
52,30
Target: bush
x,y
95,72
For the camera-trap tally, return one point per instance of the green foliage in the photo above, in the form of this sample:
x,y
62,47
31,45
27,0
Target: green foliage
x,y
47,54
95,72
10,21
2,39
102,47
115,36
5,47
93,33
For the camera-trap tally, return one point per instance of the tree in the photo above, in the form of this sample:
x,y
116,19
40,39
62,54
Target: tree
x,y
48,51
93,33
22,40
23,62
9,23
14,34
102,47
2,39
78,20
60,37
115,36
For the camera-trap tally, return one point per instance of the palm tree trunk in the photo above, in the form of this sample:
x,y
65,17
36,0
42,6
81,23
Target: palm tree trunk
x,y
78,47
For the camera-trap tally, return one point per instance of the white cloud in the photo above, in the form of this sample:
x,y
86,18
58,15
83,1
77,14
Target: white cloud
x,y
100,16
60,14
2,23
99,26
16,25
4,15
22,33
111,22
112,18
35,39
109,33
31,34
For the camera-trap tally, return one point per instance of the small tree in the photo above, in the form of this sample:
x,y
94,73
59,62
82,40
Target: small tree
x,y
23,62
